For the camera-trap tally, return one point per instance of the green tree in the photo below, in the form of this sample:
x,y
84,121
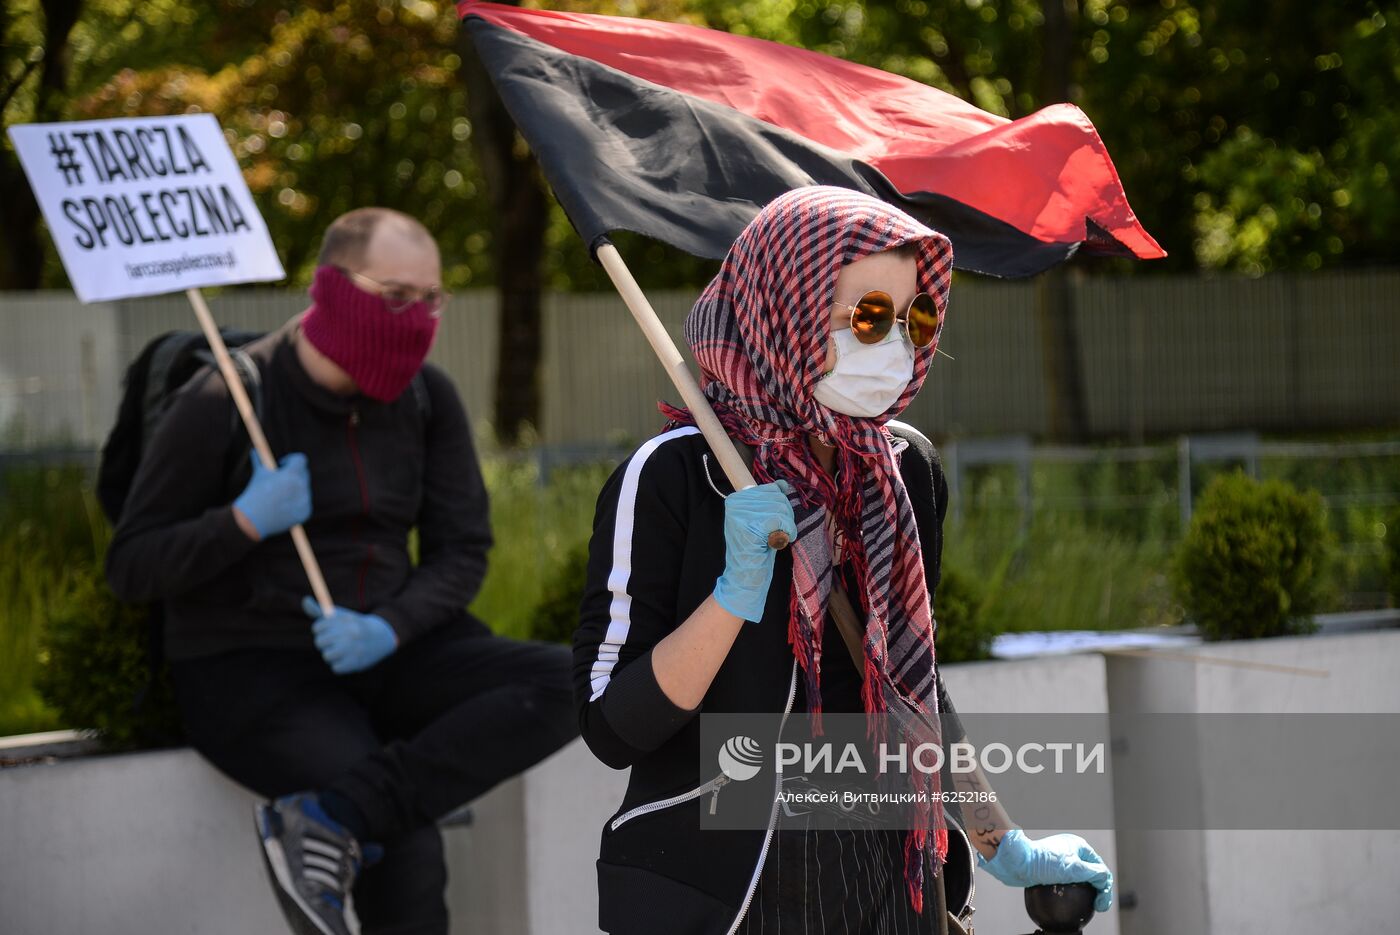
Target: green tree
x,y
1248,138
520,216
35,73
330,107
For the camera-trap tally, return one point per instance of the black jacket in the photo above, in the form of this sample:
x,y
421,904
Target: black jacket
x,y
377,471
657,550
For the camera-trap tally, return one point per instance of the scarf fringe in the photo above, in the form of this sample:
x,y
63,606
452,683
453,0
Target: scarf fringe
x,y
806,645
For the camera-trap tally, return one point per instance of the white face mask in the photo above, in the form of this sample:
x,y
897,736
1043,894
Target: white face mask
x,y
867,378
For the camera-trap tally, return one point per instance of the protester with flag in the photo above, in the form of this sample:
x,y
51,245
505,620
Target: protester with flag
x,y
820,182
688,607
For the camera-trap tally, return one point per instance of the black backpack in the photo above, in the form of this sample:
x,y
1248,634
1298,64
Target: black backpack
x,y
164,365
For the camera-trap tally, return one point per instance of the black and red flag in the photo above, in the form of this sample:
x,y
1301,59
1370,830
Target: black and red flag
x,y
682,133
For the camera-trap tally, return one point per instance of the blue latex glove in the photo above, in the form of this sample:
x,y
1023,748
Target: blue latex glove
x,y
1059,858
276,500
749,516
350,641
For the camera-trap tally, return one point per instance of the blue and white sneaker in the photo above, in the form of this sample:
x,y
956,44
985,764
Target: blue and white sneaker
x,y
313,861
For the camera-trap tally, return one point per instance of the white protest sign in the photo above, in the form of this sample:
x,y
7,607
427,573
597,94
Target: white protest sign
x,y
145,205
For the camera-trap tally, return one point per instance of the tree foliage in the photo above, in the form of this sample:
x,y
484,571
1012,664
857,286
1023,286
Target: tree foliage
x,y
1249,138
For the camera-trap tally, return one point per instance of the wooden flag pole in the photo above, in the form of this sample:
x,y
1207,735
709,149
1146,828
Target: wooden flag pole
x,y
720,443
259,440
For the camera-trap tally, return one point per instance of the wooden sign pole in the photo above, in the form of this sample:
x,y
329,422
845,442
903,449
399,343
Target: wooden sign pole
x,y
259,440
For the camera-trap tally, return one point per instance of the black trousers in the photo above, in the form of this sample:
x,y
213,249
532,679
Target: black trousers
x,y
436,724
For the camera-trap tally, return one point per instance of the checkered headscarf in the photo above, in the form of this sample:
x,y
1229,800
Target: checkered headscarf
x,y
759,332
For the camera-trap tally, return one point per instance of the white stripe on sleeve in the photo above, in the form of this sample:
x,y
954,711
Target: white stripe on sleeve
x,y
620,615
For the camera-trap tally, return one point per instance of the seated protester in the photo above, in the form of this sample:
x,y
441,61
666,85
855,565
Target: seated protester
x,y
367,724
688,608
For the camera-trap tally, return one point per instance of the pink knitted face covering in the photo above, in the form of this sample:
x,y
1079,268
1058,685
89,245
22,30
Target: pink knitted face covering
x,y
380,349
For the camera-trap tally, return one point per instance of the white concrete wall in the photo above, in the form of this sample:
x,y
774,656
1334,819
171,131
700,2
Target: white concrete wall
x,y
569,796
157,843
1253,882
129,845
114,823
1068,684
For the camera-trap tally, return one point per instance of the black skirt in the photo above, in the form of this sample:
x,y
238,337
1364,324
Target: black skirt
x,y
829,881
836,882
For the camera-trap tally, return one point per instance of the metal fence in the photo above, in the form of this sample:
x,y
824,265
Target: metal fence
x,y
1180,469
1009,494
1158,357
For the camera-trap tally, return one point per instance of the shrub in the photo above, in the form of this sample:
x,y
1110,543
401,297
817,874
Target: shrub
x,y
49,521
1254,561
536,525
1392,556
556,615
963,633
96,673
28,577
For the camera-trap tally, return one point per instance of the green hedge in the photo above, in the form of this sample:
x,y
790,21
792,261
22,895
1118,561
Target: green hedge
x,y
556,615
1255,559
1391,545
50,523
964,633
96,672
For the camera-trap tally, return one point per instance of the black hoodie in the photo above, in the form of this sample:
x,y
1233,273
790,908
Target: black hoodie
x,y
378,469
656,552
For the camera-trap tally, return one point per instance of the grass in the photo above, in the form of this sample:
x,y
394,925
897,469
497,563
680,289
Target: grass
x,y
49,520
1094,552
1061,574
536,526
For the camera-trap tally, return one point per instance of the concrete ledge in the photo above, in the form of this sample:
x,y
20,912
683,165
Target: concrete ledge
x,y
1060,684
1241,882
51,745
139,843
159,842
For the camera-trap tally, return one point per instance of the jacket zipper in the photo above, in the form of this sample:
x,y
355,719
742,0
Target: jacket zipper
x,y
354,421
773,815
712,786
719,782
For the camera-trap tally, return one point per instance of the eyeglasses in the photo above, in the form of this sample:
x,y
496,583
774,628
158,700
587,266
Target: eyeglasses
x,y
873,317
397,298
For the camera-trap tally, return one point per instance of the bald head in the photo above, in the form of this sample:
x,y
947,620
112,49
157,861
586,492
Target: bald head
x,y
385,245
347,241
